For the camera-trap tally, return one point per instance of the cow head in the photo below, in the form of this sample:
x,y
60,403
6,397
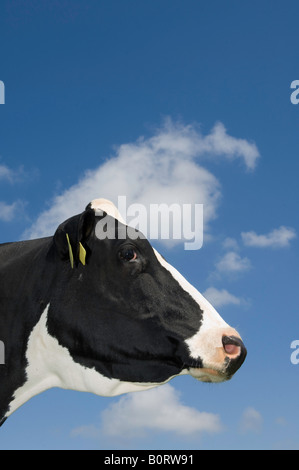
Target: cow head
x,y
107,315
126,317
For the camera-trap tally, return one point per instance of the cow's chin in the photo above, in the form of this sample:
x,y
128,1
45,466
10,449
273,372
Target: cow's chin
x,y
208,375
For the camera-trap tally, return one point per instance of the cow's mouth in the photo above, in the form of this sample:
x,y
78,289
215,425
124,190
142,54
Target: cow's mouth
x,y
196,368
207,374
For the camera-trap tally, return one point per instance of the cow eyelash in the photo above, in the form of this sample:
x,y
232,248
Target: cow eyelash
x,y
127,254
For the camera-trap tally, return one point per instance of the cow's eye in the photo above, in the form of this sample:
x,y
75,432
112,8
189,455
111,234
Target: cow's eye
x,y
127,254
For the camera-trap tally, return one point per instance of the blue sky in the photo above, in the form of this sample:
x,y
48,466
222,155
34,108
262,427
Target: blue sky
x,y
90,85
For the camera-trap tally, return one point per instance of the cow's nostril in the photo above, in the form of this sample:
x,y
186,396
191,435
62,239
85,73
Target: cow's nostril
x,y
232,345
232,349
235,352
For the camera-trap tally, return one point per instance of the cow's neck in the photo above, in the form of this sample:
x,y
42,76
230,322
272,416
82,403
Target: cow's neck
x,y
50,365
41,366
24,286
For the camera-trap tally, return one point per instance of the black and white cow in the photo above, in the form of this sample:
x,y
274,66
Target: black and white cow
x,y
104,316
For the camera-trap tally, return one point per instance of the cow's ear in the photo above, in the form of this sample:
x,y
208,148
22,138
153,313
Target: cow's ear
x,y
71,236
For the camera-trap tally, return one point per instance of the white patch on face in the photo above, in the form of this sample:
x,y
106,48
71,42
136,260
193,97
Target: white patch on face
x,y
206,344
51,365
211,317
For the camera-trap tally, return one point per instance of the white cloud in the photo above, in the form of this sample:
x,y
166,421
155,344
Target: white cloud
x,y
13,176
230,244
5,173
251,421
156,410
219,142
232,262
219,298
278,238
8,211
163,168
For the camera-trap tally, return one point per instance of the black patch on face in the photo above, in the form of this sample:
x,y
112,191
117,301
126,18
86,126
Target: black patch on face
x,y
123,313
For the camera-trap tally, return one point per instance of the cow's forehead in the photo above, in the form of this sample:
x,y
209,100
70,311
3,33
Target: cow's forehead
x,y
104,205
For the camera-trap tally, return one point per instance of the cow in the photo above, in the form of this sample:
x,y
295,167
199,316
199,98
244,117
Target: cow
x,y
107,315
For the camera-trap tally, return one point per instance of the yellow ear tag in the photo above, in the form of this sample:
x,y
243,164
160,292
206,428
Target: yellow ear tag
x,y
82,254
70,251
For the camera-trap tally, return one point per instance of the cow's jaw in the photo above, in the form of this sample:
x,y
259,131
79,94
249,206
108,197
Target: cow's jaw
x,y
51,365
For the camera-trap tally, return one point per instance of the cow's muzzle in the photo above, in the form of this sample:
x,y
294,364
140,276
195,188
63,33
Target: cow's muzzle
x,y
219,362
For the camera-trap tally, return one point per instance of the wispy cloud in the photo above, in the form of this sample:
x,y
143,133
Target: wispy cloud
x,y
220,143
277,238
230,244
232,262
5,173
221,297
14,175
157,410
9,211
163,168
251,421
